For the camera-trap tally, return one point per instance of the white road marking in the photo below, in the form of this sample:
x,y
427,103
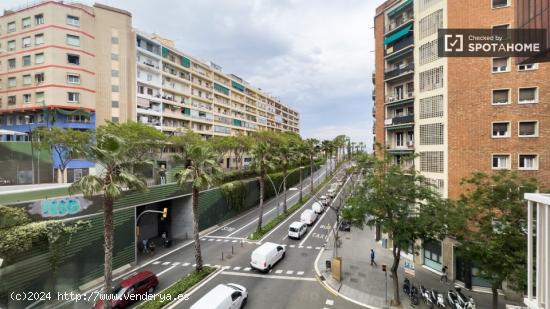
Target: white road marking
x,y
167,269
234,241
300,273
225,240
210,239
156,262
226,267
217,266
309,247
329,302
247,269
175,263
193,290
289,272
230,273
218,240
251,222
236,268
225,237
208,265
194,265
300,247
292,246
317,248
165,263
185,264
286,236
278,271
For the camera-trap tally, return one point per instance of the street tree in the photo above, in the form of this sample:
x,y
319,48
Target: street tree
x,y
183,144
285,156
495,234
311,148
262,162
201,171
112,178
326,146
223,146
241,145
402,203
66,144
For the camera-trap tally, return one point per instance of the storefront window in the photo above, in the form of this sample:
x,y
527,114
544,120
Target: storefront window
x,y
432,255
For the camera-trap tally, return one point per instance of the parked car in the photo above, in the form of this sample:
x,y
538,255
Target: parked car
x,y
318,207
325,200
308,217
297,230
345,225
137,283
332,190
266,256
223,296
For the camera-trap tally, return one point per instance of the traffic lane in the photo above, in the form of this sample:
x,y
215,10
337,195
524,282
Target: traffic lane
x,y
275,293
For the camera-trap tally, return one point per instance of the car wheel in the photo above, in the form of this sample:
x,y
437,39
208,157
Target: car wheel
x,y
244,302
284,253
150,290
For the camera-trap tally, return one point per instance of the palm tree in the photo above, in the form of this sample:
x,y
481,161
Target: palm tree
x,y
200,172
111,156
286,155
311,148
262,161
326,145
339,142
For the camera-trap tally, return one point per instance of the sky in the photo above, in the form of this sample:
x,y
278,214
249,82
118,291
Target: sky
x,y
315,55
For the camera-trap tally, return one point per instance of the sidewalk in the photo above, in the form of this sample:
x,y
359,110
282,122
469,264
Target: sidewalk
x,y
365,284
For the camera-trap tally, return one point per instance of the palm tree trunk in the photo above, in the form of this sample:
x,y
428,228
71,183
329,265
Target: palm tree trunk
x,y
311,174
108,248
301,184
198,254
284,188
394,267
261,201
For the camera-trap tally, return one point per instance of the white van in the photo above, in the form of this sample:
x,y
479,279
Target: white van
x,y
325,200
223,296
318,207
297,229
266,255
308,216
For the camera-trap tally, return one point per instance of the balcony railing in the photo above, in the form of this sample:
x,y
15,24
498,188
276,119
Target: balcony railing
x,y
399,45
397,98
402,70
396,23
399,120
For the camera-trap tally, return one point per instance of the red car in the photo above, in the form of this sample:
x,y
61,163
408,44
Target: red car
x,y
138,283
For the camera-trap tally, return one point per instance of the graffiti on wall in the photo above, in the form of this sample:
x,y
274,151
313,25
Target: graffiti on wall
x,y
59,207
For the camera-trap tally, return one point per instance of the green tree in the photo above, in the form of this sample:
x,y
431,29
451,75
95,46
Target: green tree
x,y
66,144
339,143
326,146
402,204
200,172
241,145
311,148
223,146
113,177
262,162
183,144
495,232
286,151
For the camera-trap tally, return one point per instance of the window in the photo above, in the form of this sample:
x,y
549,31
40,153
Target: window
x,y
500,3
500,64
73,78
12,82
114,88
26,42
39,97
429,24
73,97
11,63
114,40
114,57
39,78
26,22
27,98
11,27
27,79
78,118
11,45
39,19
431,134
26,60
12,100
501,129
528,67
528,129
73,40
431,161
431,107
39,39
428,52
501,161
528,162
114,73
73,59
502,31
73,20
501,96
39,58
114,104
528,95
114,119
431,79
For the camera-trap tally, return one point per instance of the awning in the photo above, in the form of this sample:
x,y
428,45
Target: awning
x,y
397,35
400,127
9,132
399,8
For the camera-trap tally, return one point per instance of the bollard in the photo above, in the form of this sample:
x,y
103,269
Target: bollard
x,y
232,250
241,243
222,255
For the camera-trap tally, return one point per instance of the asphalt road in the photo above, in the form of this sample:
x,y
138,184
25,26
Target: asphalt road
x,y
290,284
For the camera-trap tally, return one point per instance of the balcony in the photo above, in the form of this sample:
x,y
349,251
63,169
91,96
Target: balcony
x,y
398,121
373,111
400,45
398,23
399,99
400,71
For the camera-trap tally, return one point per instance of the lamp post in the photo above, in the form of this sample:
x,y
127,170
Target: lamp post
x,y
277,192
27,118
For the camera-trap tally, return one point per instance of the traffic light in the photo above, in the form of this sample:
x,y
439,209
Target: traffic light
x,y
384,267
164,213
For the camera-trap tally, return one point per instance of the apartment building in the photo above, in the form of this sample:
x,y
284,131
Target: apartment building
x,y
457,115
178,91
65,65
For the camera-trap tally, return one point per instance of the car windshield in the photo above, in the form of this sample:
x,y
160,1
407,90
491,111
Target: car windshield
x,y
119,291
293,229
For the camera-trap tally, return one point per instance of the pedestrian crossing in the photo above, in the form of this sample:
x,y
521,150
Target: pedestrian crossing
x,y
285,272
244,241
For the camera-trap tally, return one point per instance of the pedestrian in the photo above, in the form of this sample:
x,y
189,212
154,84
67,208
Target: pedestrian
x,y
372,261
162,174
444,274
145,246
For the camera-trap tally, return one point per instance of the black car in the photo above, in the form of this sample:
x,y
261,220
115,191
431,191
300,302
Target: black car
x,y
345,226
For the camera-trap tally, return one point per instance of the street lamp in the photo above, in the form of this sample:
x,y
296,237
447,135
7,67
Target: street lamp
x,y
277,192
27,118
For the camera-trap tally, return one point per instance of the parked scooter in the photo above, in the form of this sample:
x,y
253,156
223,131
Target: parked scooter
x,y
406,286
411,291
439,300
427,296
457,300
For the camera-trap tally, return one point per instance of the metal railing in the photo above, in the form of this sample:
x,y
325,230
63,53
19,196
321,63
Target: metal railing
x,y
409,68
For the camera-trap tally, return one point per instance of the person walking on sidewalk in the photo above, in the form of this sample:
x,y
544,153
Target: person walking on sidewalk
x,y
444,274
372,261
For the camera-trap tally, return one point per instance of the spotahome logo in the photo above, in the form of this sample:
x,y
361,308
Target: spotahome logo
x,y
496,42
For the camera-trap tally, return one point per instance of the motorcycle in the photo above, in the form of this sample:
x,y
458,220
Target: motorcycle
x,y
427,296
406,286
457,300
438,298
